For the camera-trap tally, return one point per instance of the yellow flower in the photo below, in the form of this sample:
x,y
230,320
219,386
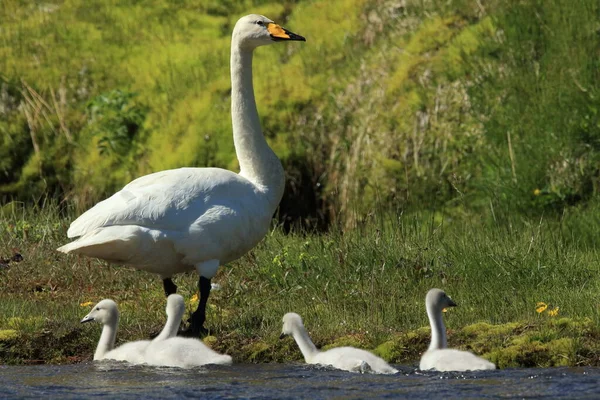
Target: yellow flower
x,y
554,312
537,192
540,307
194,298
444,310
86,304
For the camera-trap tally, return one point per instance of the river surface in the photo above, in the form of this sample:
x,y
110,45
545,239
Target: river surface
x,y
289,381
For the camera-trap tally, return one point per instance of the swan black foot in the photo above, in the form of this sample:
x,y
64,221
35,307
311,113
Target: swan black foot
x,y
193,331
196,327
169,286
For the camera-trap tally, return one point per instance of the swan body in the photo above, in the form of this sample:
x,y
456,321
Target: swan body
x,y
453,360
184,353
169,221
344,358
438,356
168,351
183,219
107,313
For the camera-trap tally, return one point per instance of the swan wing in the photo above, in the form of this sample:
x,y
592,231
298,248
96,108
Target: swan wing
x,y
453,360
184,353
167,200
132,352
354,360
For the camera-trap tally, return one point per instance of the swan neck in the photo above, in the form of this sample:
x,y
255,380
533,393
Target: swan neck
x,y
307,347
438,330
107,339
171,326
258,163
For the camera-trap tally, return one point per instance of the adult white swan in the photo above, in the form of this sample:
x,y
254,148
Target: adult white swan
x,y
107,313
177,220
168,351
438,356
345,358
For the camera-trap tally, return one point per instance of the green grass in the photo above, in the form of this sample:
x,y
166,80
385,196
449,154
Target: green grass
x,y
364,286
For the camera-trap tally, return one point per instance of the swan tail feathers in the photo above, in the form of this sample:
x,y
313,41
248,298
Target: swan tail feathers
x,y
95,218
111,243
225,360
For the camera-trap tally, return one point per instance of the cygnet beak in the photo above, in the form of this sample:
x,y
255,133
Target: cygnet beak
x,y
282,335
87,318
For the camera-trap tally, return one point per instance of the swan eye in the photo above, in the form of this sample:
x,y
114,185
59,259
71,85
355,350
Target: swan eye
x,y
97,308
260,23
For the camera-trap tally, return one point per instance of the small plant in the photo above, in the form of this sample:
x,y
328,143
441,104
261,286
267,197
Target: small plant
x,y
116,120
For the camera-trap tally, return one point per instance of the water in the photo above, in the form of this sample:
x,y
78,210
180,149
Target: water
x,y
289,381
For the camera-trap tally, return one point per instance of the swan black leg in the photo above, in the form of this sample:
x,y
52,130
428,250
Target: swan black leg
x,y
169,286
197,319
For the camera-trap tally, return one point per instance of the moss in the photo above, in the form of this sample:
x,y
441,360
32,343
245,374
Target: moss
x,y
482,336
210,341
486,329
392,350
8,334
580,324
405,347
348,340
525,352
256,351
28,324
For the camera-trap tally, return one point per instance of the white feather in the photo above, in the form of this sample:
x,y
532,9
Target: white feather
x,y
438,356
169,351
107,313
344,358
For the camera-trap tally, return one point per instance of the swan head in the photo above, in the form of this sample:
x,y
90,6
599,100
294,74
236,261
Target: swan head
x,y
256,30
291,323
175,305
437,300
105,312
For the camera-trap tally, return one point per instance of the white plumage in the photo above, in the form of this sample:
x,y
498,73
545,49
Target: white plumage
x,y
107,313
344,358
175,309
438,356
170,221
165,350
196,218
169,351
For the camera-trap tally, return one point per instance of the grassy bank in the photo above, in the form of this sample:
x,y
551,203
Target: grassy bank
x,y
364,287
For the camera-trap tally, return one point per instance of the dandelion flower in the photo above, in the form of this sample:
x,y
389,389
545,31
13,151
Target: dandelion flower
x,y
444,310
554,312
194,298
540,307
537,192
86,304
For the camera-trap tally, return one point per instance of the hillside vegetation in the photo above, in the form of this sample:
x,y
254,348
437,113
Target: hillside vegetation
x,y
464,105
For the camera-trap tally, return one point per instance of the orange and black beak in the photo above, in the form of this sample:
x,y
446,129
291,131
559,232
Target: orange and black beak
x,y
278,33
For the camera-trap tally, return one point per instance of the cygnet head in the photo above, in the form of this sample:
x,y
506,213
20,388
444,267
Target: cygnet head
x,y
437,300
256,30
291,321
105,312
175,305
